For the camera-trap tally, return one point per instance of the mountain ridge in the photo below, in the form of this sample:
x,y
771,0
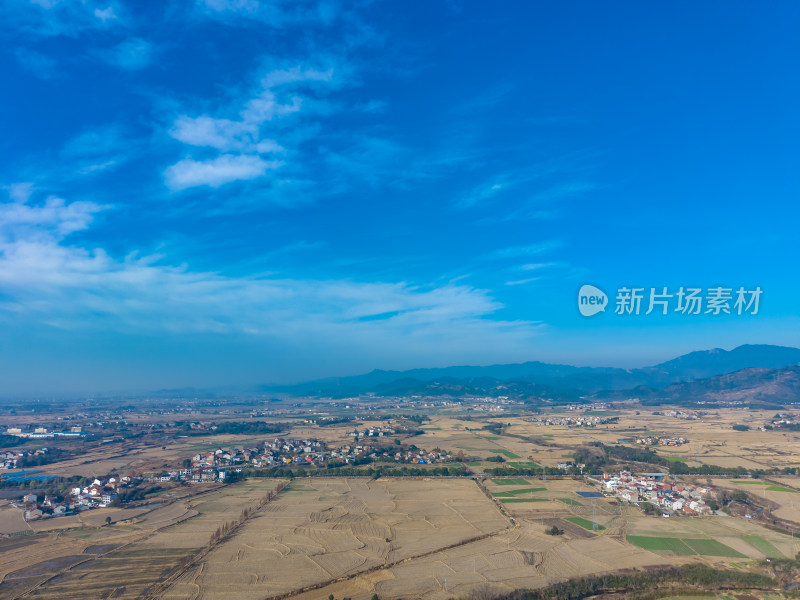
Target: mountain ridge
x,y
569,379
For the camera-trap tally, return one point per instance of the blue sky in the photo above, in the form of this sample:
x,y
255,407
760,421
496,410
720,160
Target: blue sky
x,y
230,192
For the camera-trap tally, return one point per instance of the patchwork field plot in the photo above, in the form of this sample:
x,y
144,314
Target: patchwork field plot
x,y
661,544
518,492
330,528
712,548
763,546
123,560
783,498
506,453
586,524
570,501
768,487
524,465
510,482
520,558
708,547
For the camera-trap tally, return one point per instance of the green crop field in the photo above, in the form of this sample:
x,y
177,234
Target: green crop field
x,y
524,465
510,482
675,458
765,547
657,544
512,493
770,487
570,501
712,548
586,524
506,453
512,500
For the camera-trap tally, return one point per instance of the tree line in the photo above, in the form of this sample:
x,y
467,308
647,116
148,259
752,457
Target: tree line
x,y
645,581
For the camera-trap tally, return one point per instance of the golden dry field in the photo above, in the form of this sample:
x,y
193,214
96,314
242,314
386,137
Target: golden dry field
x,y
126,558
781,494
323,529
431,538
712,439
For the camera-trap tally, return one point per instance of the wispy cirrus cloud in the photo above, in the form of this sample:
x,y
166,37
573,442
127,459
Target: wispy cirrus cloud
x,y
217,171
282,91
483,193
98,149
527,250
48,18
47,278
275,13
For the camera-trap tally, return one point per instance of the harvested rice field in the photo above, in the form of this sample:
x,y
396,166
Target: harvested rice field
x,y
319,530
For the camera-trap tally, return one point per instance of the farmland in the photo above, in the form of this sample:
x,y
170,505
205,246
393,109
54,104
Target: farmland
x,y
93,560
322,530
430,537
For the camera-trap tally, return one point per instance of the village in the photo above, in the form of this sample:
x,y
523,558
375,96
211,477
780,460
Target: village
x,y
582,421
282,452
671,498
99,493
662,441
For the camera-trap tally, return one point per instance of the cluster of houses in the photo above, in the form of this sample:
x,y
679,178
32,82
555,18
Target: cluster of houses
x,y
784,419
671,498
100,493
581,421
662,441
13,459
282,452
379,431
592,406
690,415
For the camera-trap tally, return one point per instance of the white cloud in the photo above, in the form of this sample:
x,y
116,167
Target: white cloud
x,y
217,171
20,192
243,138
482,193
46,280
296,74
275,13
250,6
540,266
105,14
43,18
222,134
20,218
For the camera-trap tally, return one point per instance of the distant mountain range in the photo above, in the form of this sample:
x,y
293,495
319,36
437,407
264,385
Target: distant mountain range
x,y
713,373
753,387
